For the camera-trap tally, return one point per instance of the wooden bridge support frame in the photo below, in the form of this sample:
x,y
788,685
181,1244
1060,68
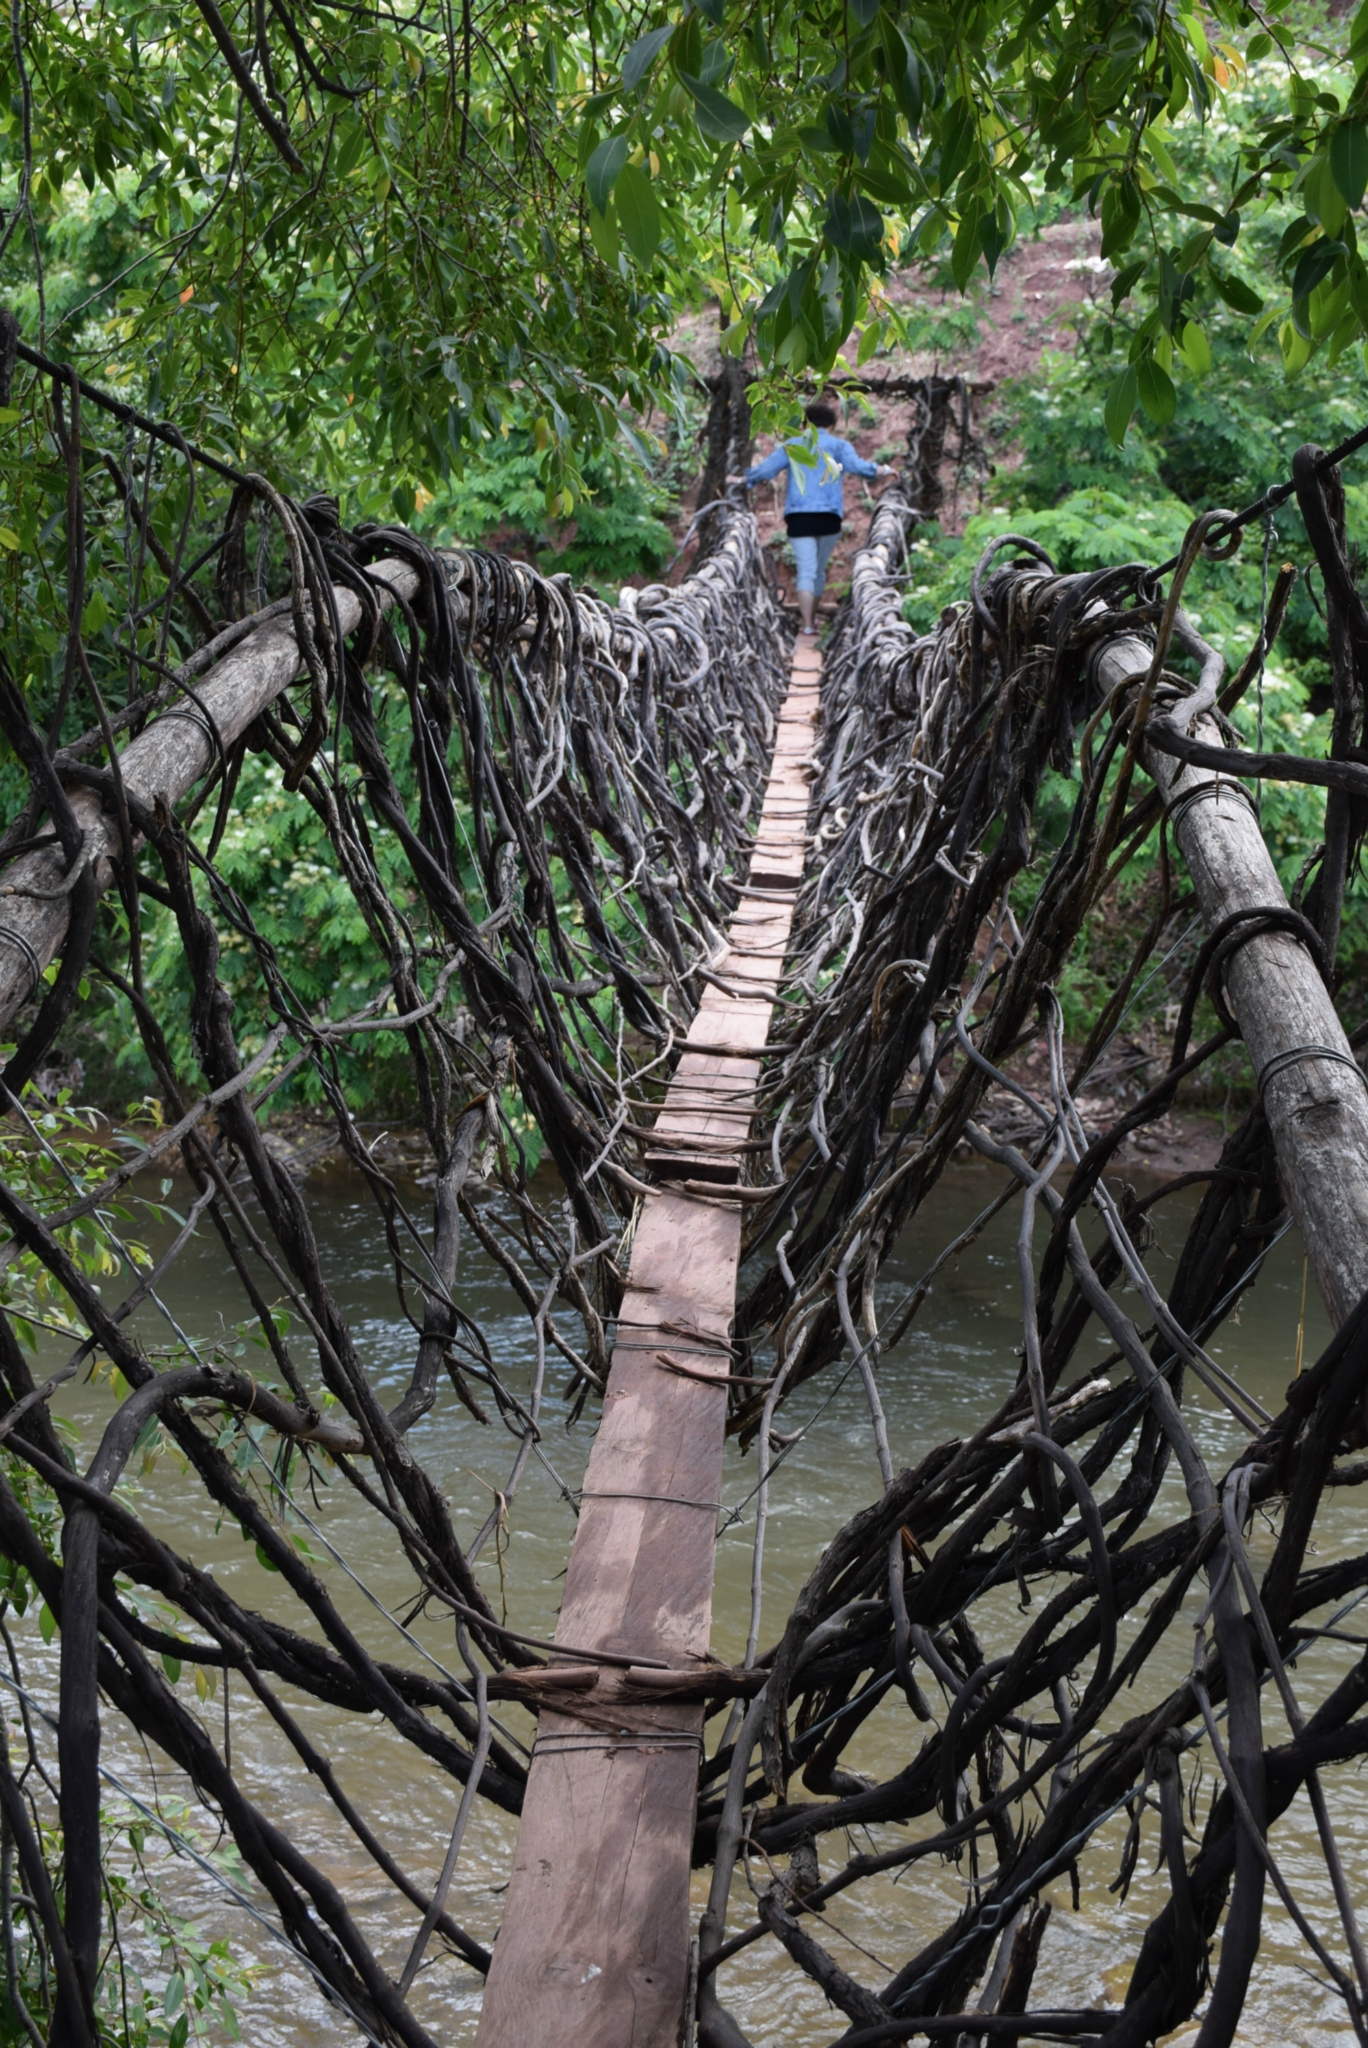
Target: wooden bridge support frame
x,y
593,1950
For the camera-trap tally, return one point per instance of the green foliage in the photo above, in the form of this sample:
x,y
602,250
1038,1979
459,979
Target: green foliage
x,y
161,1984
48,1153
833,133
188,1988
617,530
351,280
1239,422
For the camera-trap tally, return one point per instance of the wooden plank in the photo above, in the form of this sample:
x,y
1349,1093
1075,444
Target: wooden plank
x,y
593,1950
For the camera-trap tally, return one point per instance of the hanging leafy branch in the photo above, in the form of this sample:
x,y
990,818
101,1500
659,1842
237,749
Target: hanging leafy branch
x,y
834,132
353,243
341,243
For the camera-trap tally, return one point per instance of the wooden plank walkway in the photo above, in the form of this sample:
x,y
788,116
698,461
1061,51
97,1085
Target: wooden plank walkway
x,y
593,1950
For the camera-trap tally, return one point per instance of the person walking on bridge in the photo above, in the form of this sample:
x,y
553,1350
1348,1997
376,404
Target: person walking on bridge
x,y
815,501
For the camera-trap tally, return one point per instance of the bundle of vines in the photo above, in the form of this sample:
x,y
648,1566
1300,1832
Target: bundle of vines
x,y
543,808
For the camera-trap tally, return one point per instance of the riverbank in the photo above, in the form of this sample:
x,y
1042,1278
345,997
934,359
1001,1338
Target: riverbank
x,y
1183,1141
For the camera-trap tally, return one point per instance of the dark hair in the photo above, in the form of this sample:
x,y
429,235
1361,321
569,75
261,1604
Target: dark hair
x,y
820,414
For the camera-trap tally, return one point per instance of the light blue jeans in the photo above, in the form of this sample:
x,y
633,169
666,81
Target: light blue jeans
x,y
811,553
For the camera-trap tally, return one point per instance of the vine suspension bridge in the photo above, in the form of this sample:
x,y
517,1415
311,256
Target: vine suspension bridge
x,y
735,924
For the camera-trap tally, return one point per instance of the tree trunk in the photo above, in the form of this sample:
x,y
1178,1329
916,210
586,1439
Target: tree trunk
x,y
727,436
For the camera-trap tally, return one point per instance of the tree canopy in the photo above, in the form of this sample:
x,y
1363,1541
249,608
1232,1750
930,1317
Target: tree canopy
x,y
350,242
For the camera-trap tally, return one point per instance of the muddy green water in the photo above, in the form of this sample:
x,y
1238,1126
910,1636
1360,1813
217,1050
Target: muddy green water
x,y
953,1367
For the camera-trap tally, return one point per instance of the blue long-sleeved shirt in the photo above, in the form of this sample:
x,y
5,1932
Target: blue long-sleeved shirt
x,y
821,487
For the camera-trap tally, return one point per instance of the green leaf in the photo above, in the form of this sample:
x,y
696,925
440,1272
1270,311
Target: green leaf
x,y
355,142
712,10
173,1998
1296,348
1258,46
1329,306
8,538
1346,332
1125,280
777,292
643,54
1293,235
1321,195
1158,149
854,226
1358,288
717,63
686,46
1120,215
869,342
840,128
603,168
47,1623
720,119
1349,160
263,1559
603,233
1195,349
1239,296
792,351
904,72
968,239
172,1667
1314,264
864,11
997,232
1192,209
957,143
638,212
877,179
1157,394
585,146
1120,405
1260,328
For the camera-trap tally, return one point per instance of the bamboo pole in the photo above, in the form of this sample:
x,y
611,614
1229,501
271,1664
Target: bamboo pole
x,y
163,763
1317,1107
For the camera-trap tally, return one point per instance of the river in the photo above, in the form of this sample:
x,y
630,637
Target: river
x,y
954,1365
